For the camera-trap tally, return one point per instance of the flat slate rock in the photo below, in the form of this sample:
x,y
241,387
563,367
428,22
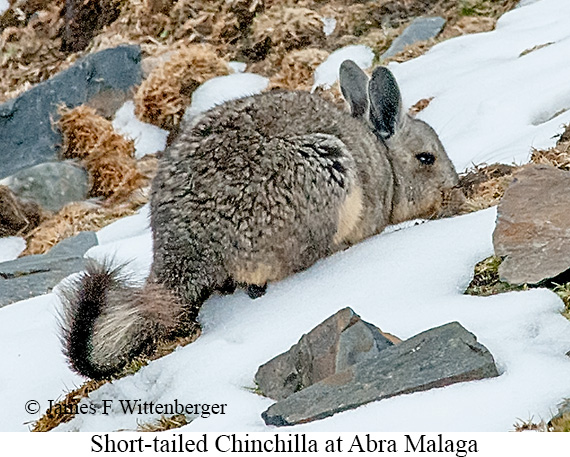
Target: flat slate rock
x,y
420,29
436,358
533,226
35,275
340,341
50,184
102,79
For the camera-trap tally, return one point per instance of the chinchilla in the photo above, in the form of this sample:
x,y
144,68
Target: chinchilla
x,y
253,191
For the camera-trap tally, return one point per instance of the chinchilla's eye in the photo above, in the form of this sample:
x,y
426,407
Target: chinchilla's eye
x,y
426,158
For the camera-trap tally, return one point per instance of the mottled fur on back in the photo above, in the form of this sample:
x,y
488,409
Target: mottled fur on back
x,y
274,207
253,191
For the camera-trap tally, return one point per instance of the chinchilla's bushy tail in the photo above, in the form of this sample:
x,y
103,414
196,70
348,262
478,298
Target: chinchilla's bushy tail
x,y
108,319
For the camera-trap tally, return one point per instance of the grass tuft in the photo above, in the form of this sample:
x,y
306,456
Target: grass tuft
x,y
486,280
563,291
58,413
164,423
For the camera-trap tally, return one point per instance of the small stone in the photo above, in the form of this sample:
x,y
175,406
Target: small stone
x,y
421,29
533,226
436,358
335,344
51,184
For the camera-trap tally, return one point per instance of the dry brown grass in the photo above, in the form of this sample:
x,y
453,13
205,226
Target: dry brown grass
x,y
530,426
30,52
54,416
282,29
297,69
419,106
137,23
164,423
78,217
485,185
164,95
261,32
466,25
107,155
559,423
558,156
489,8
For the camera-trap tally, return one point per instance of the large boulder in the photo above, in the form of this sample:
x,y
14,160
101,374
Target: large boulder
x,y
533,226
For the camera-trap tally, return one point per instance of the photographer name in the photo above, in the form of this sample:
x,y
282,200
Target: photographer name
x,y
139,407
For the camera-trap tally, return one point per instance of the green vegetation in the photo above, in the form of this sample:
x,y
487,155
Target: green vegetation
x,y
486,280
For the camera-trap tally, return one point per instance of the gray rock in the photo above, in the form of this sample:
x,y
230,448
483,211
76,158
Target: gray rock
x,y
340,341
103,79
76,246
533,226
51,184
420,29
435,358
34,275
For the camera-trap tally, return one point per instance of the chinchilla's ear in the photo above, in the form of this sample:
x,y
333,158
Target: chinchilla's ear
x,y
385,102
354,87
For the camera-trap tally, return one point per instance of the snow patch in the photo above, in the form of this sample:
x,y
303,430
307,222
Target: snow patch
x,y
237,67
492,104
329,25
326,74
148,138
11,247
222,89
397,281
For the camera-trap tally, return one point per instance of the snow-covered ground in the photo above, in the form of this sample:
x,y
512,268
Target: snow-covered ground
x,y
489,105
11,247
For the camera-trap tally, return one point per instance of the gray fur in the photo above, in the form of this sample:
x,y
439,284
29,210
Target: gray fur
x,y
262,187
